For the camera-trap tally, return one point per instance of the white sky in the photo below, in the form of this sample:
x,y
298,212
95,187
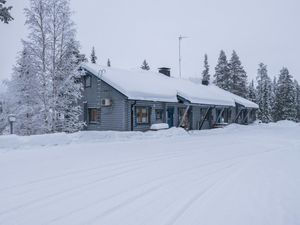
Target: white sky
x,y
129,31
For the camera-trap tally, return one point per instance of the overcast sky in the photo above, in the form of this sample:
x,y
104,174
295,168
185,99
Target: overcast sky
x,y
129,31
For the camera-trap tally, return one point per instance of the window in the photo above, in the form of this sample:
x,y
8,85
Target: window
x,y
94,115
87,81
159,115
142,115
225,115
185,123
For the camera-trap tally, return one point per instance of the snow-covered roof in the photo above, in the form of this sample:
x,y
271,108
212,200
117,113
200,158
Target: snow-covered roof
x,y
151,86
237,99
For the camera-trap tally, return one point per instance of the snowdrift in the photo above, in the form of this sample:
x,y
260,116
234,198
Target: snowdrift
x,y
17,142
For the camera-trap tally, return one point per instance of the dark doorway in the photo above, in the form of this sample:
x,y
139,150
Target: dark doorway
x,y
170,119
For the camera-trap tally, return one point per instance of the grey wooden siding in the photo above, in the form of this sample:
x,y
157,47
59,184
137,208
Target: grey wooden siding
x,y
131,106
111,117
121,115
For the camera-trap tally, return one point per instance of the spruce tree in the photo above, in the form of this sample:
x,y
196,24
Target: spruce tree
x,y
5,15
93,56
285,97
205,73
273,98
145,65
23,95
221,76
237,76
108,63
252,93
264,94
297,100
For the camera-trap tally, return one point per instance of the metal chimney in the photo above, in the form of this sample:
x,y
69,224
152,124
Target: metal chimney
x,y
164,70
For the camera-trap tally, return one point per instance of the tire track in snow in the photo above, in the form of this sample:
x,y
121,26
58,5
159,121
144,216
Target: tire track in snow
x,y
132,200
201,179
82,187
85,170
191,201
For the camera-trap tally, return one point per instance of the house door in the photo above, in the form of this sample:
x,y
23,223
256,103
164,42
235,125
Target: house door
x,y
170,114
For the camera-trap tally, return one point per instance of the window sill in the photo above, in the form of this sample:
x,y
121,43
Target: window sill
x,y
93,123
142,124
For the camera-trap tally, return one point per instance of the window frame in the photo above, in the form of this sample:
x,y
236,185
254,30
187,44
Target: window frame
x,y
88,84
97,115
161,112
148,111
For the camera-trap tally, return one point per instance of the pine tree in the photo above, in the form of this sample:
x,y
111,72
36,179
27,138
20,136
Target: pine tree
x,y
145,65
93,56
5,15
221,76
237,76
252,93
297,100
205,73
285,97
108,63
264,94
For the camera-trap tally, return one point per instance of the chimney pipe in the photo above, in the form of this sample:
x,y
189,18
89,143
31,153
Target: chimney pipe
x,y
205,82
164,70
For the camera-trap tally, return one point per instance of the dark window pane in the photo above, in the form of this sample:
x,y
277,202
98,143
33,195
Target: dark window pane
x,y
93,115
88,81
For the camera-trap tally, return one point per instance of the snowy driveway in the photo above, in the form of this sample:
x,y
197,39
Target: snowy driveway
x,y
234,176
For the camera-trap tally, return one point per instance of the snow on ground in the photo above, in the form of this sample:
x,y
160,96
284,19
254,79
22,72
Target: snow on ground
x,y
238,175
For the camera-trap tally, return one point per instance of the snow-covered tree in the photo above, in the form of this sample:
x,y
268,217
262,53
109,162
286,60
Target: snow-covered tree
x,y
252,93
108,63
37,20
273,97
65,91
205,73
297,99
145,65
285,97
55,58
237,76
221,76
23,95
93,56
5,15
264,94
4,109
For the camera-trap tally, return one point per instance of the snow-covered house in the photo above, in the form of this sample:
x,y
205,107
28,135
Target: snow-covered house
x,y
125,100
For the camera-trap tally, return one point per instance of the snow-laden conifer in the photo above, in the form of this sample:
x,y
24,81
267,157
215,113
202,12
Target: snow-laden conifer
x,y
145,65
237,80
221,76
205,73
285,97
93,56
264,94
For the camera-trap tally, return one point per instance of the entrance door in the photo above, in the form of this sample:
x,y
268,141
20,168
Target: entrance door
x,y
170,113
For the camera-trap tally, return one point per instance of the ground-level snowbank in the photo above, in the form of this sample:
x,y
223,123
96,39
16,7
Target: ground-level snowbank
x,y
238,175
25,142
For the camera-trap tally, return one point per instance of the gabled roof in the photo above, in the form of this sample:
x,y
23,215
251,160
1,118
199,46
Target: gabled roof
x,y
151,86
